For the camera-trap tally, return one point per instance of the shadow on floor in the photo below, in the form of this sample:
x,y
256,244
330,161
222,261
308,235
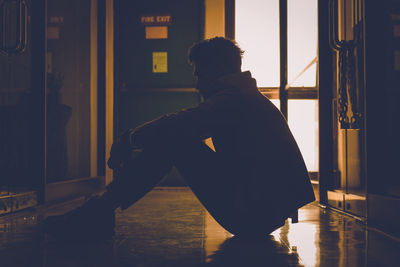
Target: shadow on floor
x,y
171,228
238,252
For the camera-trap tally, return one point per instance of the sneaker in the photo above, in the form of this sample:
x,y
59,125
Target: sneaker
x,y
94,220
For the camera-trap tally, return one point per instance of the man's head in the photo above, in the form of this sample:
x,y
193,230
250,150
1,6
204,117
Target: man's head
x,y
212,59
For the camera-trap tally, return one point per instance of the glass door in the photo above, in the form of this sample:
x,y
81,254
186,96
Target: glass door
x,y
280,38
21,106
71,97
68,90
348,188
281,52
49,145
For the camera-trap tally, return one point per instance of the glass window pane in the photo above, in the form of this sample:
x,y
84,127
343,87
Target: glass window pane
x,y
21,114
68,90
302,41
303,122
257,33
277,103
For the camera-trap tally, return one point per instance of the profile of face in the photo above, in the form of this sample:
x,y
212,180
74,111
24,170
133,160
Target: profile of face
x,y
206,77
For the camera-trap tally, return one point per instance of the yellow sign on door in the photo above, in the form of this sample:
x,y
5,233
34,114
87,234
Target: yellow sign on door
x,y
160,62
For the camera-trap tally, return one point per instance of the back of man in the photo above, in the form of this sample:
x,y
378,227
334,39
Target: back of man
x,y
263,174
255,134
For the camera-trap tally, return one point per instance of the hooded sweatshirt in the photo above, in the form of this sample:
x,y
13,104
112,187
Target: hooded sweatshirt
x,y
246,127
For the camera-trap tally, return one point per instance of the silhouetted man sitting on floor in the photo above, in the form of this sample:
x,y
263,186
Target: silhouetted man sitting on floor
x,y
253,181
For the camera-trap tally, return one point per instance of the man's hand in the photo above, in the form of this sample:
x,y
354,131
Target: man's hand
x,y
121,150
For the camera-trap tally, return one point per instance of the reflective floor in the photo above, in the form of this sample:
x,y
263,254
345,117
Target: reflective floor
x,y
171,228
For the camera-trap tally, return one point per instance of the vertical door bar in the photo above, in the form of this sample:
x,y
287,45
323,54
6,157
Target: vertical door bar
x,y
283,96
230,19
38,65
109,65
93,89
325,101
101,87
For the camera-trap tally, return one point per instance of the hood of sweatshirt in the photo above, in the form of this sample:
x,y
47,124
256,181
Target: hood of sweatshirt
x,y
237,81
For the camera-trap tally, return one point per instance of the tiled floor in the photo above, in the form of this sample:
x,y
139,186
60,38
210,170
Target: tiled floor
x,y
171,228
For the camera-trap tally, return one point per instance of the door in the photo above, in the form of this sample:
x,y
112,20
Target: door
x,y
21,105
72,106
153,76
281,53
382,27
347,191
49,110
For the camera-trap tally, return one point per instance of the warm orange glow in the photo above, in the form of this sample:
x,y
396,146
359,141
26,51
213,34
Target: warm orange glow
x,y
301,239
214,24
215,235
109,83
209,143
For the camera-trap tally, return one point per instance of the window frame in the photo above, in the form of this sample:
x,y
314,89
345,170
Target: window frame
x,y
284,92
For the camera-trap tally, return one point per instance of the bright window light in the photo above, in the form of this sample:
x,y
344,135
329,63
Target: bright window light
x,y
257,33
303,122
302,42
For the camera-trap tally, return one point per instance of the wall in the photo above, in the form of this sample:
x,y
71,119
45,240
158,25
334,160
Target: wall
x,y
214,18
141,94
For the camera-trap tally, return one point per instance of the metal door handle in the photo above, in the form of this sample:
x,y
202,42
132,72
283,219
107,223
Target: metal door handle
x,y
334,41
22,20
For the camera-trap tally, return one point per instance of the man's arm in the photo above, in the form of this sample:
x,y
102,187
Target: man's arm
x,y
196,123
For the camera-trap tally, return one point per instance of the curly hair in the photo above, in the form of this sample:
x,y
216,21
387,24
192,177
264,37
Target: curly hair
x,y
216,51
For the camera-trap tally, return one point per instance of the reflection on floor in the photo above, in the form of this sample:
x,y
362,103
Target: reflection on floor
x,y
171,228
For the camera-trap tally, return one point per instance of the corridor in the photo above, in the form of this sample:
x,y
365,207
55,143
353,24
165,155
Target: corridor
x,y
169,227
